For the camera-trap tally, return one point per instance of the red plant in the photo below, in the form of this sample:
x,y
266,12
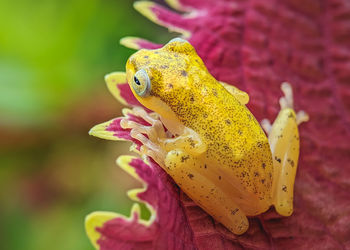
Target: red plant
x,y
254,45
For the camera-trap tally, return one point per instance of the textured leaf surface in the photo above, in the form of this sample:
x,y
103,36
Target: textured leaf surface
x,y
256,45
169,231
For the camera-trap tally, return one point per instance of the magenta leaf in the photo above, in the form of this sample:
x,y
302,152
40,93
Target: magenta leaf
x,y
169,231
256,45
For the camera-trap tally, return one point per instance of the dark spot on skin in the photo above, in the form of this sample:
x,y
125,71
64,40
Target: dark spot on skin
x,y
279,136
185,158
259,144
190,176
184,73
145,57
207,135
262,181
215,93
291,162
170,86
240,132
202,186
228,122
284,188
205,166
191,142
226,147
219,177
192,99
233,212
278,159
256,174
263,165
205,115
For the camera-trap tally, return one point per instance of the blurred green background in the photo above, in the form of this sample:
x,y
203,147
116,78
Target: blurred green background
x,y
53,57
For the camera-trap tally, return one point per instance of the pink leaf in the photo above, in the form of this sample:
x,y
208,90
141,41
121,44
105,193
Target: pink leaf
x,y
171,230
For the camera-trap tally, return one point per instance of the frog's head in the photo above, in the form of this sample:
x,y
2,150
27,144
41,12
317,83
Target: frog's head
x,y
159,77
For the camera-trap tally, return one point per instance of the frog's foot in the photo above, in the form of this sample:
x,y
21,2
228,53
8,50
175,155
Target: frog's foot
x,y
189,141
287,101
149,135
156,130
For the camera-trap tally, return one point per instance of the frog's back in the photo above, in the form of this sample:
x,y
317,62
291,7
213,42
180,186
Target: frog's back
x,y
235,139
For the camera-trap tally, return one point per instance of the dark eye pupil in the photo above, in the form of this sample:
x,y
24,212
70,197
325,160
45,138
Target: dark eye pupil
x,y
137,80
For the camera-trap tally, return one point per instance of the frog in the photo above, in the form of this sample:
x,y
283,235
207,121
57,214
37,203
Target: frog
x,y
204,136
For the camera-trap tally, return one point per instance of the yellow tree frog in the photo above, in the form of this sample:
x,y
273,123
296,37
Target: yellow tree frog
x,y
214,148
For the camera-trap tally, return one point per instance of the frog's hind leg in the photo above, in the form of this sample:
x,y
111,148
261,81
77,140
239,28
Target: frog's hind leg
x,y
283,138
194,179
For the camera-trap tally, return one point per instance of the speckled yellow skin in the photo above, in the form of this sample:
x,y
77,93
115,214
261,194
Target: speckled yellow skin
x,y
220,155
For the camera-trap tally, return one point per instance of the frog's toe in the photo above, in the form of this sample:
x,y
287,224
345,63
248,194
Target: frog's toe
x,y
151,118
302,116
157,155
286,101
154,131
266,125
149,148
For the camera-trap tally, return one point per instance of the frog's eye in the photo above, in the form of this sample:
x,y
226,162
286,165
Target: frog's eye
x,y
141,83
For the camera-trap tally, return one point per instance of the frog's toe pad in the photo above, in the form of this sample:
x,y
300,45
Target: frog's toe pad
x,y
302,116
286,101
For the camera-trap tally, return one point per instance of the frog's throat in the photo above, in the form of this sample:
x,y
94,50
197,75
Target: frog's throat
x,y
167,115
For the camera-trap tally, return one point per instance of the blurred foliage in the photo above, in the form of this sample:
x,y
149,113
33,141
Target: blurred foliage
x,y
53,51
53,57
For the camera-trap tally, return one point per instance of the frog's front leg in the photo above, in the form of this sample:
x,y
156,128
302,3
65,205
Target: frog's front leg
x,y
283,138
156,142
148,135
